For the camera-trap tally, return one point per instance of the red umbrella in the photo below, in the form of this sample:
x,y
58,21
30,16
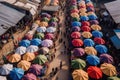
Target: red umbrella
x,y
29,76
29,36
94,72
74,11
86,28
49,36
76,34
85,23
99,40
77,42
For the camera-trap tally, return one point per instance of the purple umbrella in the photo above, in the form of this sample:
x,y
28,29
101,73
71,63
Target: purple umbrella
x,y
94,22
77,52
29,76
35,69
106,58
75,28
53,24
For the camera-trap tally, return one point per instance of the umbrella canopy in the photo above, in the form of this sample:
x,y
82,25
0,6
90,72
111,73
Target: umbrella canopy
x,y
14,58
95,27
39,35
16,74
20,50
101,48
108,69
77,52
75,19
99,40
24,43
77,42
88,42
75,34
49,36
36,41
74,11
94,72
78,64
29,76
46,15
90,50
40,59
76,23
43,23
90,9
85,28
54,19
85,23
28,36
73,7
75,28
32,49
97,34
41,29
92,17
47,43
51,29
3,78
82,10
94,22
84,18
35,69
53,24
29,56
86,34
5,69
45,49
93,60
25,65
79,75
113,78
106,58
75,15
83,14
45,19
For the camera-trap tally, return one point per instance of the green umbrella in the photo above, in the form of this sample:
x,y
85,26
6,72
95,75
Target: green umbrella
x,y
78,64
39,35
113,78
75,19
40,59
53,19
45,19
73,7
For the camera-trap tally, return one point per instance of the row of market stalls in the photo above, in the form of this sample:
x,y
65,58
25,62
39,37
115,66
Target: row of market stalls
x,y
90,59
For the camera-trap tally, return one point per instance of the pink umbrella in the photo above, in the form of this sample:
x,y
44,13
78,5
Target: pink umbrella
x,y
49,36
29,36
77,52
29,76
47,43
75,28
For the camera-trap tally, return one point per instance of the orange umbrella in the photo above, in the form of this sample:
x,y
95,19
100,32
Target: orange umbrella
x,y
77,42
96,27
83,10
75,15
37,22
80,75
108,69
44,24
86,34
14,58
28,56
25,65
76,34
90,51
83,14
91,13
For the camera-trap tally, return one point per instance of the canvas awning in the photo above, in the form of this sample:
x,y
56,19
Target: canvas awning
x,y
51,8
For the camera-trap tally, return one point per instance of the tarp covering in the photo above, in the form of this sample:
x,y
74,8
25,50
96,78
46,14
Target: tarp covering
x,y
51,8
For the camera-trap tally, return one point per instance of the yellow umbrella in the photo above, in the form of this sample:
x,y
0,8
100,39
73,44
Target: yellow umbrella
x,y
108,69
83,14
37,22
25,65
91,13
75,15
90,51
80,75
86,34
96,27
83,10
28,56
44,24
14,58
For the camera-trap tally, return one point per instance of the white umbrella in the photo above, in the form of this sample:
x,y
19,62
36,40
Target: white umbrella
x,y
32,49
5,69
51,29
41,29
47,43
20,50
3,78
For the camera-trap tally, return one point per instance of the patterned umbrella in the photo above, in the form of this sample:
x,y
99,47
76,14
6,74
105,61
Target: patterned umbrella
x,y
36,41
88,42
29,76
101,48
90,51
32,49
75,34
24,43
47,43
99,40
20,50
77,52
77,42
41,29
86,34
29,56
14,58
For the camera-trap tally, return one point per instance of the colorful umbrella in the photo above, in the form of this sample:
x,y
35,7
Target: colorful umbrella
x,y
75,19
44,49
99,40
92,17
78,64
77,52
47,43
14,58
74,11
101,48
85,23
84,18
36,41
76,23
93,60
75,28
45,15
75,34
53,24
49,36
88,42
5,69
83,14
95,27
45,19
90,51
113,78
86,34
90,9
73,7
40,59
37,22
41,29
94,72
29,76
51,29
94,22
39,35
85,28
35,69
108,69
106,58
29,36
54,19
25,65
29,56
77,42
32,49
24,43
20,50
97,34
16,74
80,75
82,10
43,23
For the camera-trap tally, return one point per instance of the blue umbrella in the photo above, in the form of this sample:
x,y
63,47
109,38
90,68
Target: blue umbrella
x,y
41,29
92,17
76,23
24,43
89,42
101,48
93,60
16,74
36,41
97,33
86,1
84,18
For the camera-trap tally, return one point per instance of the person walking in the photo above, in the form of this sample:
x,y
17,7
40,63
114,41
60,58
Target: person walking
x,y
60,64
